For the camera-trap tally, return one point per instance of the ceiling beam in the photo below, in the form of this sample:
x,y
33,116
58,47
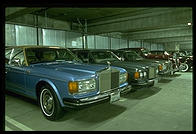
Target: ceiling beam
x,y
170,19
171,39
13,13
161,34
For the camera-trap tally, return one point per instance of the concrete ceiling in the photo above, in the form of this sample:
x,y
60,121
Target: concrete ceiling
x,y
166,25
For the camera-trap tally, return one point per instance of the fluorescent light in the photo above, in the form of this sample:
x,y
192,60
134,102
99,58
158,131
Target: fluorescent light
x,y
189,23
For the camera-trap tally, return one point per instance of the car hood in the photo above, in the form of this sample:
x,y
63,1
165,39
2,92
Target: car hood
x,y
126,65
68,69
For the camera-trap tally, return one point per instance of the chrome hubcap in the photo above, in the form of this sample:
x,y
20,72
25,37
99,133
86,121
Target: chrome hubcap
x,y
47,102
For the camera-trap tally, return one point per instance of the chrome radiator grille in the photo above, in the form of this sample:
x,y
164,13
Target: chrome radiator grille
x,y
108,79
151,72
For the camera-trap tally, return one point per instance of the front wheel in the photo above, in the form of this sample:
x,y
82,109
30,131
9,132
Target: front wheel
x,y
49,103
183,67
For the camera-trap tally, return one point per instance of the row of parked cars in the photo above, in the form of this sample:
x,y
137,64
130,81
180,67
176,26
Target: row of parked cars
x,y
59,77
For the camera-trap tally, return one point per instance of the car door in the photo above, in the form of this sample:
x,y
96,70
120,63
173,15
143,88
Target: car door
x,y
15,71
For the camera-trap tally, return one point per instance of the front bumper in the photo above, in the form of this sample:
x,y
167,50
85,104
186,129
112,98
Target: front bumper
x,y
94,99
164,72
146,83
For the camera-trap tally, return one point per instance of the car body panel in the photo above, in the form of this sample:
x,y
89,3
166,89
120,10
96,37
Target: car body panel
x,y
130,67
143,52
24,77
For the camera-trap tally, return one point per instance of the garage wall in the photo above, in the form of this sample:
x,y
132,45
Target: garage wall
x,y
101,42
123,43
91,41
10,38
24,35
73,40
134,44
115,43
53,38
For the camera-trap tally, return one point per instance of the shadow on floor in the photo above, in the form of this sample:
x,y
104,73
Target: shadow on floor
x,y
175,75
20,97
143,93
95,113
165,80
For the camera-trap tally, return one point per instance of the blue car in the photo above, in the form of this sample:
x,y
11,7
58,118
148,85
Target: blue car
x,y
57,79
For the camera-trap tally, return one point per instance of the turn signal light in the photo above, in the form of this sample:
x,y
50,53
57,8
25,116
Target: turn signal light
x,y
160,67
136,75
127,75
73,87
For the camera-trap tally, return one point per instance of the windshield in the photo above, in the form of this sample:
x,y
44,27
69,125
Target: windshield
x,y
39,55
132,56
103,56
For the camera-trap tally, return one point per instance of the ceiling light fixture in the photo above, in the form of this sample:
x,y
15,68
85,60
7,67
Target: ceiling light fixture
x,y
189,24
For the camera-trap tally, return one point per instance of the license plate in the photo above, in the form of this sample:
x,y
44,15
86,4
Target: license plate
x,y
114,97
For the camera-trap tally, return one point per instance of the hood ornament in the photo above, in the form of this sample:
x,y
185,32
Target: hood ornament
x,y
109,65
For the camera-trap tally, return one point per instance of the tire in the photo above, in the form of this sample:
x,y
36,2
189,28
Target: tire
x,y
183,67
49,103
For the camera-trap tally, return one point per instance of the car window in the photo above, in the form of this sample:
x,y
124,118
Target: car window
x,y
131,56
103,56
7,55
83,56
40,55
18,59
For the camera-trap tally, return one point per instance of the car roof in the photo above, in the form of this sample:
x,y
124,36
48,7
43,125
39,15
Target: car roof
x,y
33,46
92,50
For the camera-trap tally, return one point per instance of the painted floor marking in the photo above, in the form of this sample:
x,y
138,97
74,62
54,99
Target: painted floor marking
x,y
18,124
8,129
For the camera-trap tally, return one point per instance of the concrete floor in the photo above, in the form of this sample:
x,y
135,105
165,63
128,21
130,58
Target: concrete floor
x,y
164,107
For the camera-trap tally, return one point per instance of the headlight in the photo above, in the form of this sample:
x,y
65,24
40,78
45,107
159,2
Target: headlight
x,y
145,74
82,86
123,78
86,85
157,71
141,74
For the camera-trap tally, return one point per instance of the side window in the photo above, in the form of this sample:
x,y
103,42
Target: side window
x,y
17,57
91,59
7,55
83,56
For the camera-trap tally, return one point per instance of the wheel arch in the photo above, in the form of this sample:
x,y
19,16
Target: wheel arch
x,y
51,84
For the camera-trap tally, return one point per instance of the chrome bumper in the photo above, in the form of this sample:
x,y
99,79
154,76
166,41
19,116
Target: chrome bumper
x,y
164,72
149,82
126,89
100,97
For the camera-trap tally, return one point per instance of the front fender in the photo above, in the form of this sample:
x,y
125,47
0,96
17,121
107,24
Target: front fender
x,y
54,88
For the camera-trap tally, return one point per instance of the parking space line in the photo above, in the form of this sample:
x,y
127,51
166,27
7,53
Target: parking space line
x,y
8,129
18,124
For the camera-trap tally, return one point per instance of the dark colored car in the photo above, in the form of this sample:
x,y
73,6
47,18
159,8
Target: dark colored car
x,y
159,54
166,64
138,74
132,56
57,79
